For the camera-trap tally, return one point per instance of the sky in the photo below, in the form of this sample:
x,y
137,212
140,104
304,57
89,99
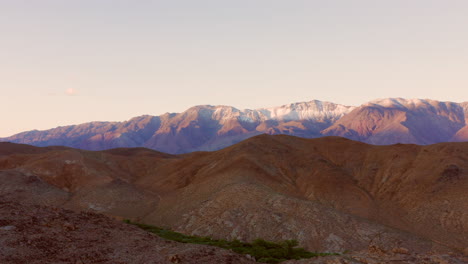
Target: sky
x,y
69,62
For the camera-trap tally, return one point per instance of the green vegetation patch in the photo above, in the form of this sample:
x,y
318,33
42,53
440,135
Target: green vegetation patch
x,y
263,251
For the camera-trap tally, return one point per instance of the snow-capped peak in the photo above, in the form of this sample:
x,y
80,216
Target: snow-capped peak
x,y
313,110
407,103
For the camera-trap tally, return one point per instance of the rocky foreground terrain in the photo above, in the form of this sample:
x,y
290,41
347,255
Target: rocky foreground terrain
x,y
380,204
40,234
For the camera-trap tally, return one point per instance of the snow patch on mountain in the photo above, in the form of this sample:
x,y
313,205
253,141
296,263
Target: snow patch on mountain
x,y
313,110
408,103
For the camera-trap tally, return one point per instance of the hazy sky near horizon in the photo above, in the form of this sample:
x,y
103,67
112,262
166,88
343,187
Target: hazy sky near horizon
x,y
69,62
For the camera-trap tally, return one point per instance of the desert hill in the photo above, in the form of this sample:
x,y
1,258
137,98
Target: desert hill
x,y
331,193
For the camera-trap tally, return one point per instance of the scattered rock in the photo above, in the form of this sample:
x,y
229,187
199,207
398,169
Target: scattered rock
x,y
450,174
250,257
174,259
8,228
400,250
376,250
68,226
439,260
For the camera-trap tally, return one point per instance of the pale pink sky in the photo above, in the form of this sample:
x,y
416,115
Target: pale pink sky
x,y
68,62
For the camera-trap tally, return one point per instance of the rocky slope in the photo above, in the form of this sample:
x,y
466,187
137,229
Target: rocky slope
x,y
40,234
43,234
385,121
331,194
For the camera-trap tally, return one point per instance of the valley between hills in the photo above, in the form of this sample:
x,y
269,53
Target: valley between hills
x,y
400,203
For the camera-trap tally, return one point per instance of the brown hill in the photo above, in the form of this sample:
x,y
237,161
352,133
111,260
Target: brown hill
x,y
332,194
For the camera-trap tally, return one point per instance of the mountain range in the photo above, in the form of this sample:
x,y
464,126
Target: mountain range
x,y
205,128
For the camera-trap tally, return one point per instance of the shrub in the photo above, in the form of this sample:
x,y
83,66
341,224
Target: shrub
x,y
263,251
